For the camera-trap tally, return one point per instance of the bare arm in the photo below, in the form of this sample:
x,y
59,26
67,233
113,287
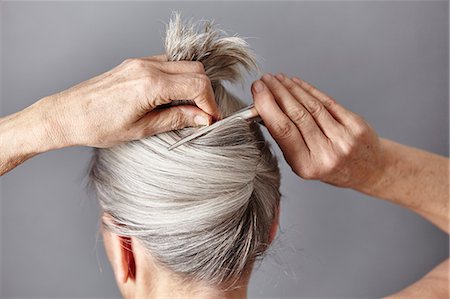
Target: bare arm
x,y
415,179
322,140
21,137
117,106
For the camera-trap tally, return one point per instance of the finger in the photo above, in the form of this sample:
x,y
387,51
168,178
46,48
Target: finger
x,y
304,121
159,58
195,87
175,67
341,114
324,119
179,67
283,130
172,118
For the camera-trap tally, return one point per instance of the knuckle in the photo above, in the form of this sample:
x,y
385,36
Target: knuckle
x,y
277,89
290,85
198,66
347,148
331,163
315,107
135,62
324,165
298,115
357,119
308,87
309,174
328,101
282,129
359,130
202,82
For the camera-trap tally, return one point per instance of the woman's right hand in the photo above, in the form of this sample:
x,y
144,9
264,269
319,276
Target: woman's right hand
x,y
119,105
114,107
319,138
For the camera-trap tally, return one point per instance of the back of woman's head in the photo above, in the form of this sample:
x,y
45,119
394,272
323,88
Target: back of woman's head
x,y
205,209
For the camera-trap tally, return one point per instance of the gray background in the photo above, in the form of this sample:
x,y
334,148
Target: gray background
x,y
385,61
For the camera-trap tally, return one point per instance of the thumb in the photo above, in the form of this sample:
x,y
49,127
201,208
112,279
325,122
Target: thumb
x,y
173,118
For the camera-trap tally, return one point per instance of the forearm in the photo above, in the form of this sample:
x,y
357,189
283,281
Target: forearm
x,y
23,135
415,179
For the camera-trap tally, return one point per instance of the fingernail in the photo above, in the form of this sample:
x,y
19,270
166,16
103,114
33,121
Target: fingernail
x,y
280,76
201,120
267,76
297,80
258,86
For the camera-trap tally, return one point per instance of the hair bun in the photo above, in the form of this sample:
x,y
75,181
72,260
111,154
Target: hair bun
x,y
223,56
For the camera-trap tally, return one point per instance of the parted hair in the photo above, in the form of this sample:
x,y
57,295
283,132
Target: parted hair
x,y
205,209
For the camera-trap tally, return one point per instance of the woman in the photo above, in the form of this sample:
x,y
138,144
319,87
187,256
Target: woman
x,y
201,214
191,223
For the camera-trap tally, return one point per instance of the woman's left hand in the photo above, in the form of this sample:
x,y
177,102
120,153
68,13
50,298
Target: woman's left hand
x,y
319,138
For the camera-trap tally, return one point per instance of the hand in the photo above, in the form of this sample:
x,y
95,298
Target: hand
x,y
119,105
319,138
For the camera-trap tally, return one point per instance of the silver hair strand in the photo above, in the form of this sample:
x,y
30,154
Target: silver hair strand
x,y
203,210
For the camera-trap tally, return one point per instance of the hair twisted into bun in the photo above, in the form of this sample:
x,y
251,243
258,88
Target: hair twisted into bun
x,y
203,210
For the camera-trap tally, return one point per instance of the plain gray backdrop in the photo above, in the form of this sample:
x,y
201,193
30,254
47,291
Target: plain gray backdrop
x,y
387,61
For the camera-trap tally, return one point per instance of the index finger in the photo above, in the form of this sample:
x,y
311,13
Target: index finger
x,y
283,130
159,58
195,87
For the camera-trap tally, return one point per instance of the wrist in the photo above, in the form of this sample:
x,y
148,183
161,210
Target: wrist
x,y
27,133
21,137
33,130
52,129
377,173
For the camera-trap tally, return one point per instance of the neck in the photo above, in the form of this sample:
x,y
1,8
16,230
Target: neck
x,y
167,288
160,283
153,281
181,292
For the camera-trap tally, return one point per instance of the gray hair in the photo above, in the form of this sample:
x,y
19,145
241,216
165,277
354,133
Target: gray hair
x,y
203,210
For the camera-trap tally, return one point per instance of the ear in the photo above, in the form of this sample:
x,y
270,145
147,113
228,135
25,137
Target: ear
x,y
120,254
275,223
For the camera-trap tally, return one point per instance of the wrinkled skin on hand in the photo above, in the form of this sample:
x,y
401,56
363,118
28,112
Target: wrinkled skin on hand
x,y
320,139
120,105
